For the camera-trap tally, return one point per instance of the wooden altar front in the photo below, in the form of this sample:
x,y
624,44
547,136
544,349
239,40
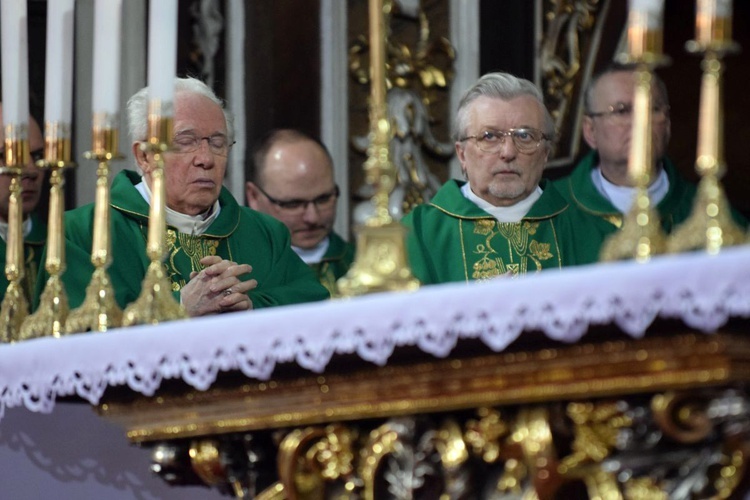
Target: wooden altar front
x,y
661,417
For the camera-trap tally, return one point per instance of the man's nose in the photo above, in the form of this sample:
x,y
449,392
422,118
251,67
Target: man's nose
x,y
311,212
204,157
507,148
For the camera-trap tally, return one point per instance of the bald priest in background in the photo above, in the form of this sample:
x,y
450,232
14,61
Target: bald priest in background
x,y
293,181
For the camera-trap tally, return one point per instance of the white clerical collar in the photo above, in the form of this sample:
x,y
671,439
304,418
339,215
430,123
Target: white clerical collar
x,y
315,254
27,226
513,213
622,196
188,224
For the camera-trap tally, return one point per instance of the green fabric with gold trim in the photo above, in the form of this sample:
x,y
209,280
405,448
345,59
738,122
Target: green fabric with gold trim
x,y
579,188
452,239
33,246
335,263
239,234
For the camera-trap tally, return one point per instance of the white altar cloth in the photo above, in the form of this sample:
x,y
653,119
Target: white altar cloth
x,y
703,291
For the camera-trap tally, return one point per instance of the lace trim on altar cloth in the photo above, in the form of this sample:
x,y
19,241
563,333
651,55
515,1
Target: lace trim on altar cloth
x,y
702,291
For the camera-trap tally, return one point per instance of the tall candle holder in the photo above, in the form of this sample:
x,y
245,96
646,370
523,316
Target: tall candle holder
x,y
381,263
15,305
156,302
99,311
52,313
710,225
641,235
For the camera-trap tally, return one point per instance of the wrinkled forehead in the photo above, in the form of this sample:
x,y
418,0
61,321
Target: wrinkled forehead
x,y
619,86
501,114
198,114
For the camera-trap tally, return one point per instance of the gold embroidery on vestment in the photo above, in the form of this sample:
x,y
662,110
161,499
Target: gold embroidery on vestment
x,y
194,247
31,272
615,220
521,249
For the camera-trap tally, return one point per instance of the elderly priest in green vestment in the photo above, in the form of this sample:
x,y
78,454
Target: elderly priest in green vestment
x,y
505,220
220,256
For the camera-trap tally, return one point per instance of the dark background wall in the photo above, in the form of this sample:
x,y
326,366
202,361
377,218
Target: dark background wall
x,y
283,66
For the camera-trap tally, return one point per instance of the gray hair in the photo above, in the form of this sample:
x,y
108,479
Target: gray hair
x,y
499,86
588,96
137,107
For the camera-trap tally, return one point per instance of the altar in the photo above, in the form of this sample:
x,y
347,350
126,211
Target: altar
x,y
619,378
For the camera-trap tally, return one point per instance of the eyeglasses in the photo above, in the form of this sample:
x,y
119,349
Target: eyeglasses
x,y
36,155
622,113
325,201
526,140
218,144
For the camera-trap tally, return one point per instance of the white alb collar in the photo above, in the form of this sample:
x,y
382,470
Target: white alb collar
x,y
513,213
315,254
188,224
622,196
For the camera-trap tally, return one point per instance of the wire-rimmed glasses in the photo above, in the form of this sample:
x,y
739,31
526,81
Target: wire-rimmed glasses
x,y
622,113
325,201
218,144
526,140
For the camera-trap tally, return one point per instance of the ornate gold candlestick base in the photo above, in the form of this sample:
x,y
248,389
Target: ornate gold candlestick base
x,y
641,235
99,311
49,319
381,263
710,225
156,302
14,310
15,306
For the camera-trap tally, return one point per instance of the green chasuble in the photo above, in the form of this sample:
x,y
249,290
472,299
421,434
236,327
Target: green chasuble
x,y
335,263
578,188
33,244
452,239
238,234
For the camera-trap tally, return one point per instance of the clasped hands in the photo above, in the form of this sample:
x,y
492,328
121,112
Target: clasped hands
x,y
217,288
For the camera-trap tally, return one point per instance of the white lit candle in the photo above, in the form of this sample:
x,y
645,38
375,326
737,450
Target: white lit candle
x,y
107,30
713,21
15,62
645,27
58,81
162,51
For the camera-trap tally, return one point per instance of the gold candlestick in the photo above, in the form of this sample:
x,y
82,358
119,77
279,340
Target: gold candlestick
x,y
381,263
99,311
52,313
645,34
710,225
156,302
713,22
641,235
15,306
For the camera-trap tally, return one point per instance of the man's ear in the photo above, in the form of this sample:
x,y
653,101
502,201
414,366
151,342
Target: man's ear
x,y
461,155
251,192
588,131
141,158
